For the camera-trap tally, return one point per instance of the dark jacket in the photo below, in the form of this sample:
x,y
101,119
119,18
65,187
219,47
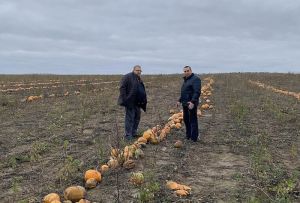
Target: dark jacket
x,y
190,90
132,92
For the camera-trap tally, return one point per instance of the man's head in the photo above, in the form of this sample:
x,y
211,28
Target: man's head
x,y
137,70
187,71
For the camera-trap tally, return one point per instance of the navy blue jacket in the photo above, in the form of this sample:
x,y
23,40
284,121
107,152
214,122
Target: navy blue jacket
x,y
190,90
132,92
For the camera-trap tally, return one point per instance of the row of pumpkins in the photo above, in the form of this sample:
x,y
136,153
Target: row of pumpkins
x,y
52,86
33,98
51,82
206,91
126,158
288,93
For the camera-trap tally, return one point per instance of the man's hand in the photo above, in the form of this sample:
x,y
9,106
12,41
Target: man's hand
x,y
191,105
177,104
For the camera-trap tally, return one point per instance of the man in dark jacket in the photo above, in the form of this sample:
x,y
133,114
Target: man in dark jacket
x,y
189,98
133,97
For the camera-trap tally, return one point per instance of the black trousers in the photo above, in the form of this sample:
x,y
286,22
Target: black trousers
x,y
132,120
191,122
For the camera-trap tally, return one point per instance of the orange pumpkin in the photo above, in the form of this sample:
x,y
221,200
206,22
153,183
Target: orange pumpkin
x,y
147,134
172,185
92,174
205,106
51,197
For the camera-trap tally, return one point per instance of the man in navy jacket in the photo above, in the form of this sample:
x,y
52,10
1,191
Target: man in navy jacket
x,y
133,97
189,98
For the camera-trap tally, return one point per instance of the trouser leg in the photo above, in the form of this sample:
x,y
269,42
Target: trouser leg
x,y
186,119
129,120
194,123
137,118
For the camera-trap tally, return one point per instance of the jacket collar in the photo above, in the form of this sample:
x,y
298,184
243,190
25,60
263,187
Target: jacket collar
x,y
136,76
188,77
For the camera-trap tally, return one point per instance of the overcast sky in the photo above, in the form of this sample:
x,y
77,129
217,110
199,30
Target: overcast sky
x,y
111,36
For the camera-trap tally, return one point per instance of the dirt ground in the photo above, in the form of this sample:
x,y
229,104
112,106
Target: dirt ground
x,y
248,150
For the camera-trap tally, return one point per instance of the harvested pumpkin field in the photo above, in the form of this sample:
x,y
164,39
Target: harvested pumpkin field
x,y
62,131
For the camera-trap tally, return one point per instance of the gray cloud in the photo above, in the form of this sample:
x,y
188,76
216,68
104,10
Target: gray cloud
x,y
97,36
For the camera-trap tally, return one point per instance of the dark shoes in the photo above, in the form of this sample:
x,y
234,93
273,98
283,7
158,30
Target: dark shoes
x,y
189,138
194,141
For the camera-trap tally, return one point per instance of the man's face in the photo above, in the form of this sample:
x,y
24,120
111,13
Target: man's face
x,y
187,72
137,71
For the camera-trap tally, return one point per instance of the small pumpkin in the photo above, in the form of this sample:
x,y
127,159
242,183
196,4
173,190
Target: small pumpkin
x,y
91,183
92,174
114,152
178,144
129,164
155,129
113,163
154,140
205,106
74,193
147,134
137,178
178,125
104,168
126,152
51,197
167,129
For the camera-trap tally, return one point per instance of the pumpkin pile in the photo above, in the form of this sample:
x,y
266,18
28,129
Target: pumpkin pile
x,y
179,189
269,87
